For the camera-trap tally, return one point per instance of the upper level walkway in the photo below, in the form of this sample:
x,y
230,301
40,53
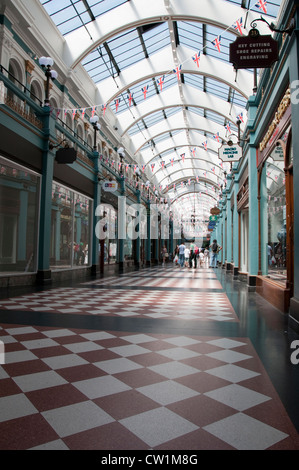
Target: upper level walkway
x,y
160,358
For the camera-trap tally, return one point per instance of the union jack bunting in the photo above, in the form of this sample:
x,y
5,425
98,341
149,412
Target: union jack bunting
x,y
143,168
228,128
117,101
171,160
83,112
130,98
145,90
217,42
160,82
205,144
196,58
262,5
197,178
216,136
238,25
177,70
104,107
183,157
93,110
153,166
193,151
240,117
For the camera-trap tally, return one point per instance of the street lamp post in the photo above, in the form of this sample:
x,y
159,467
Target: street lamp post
x,y
96,127
47,63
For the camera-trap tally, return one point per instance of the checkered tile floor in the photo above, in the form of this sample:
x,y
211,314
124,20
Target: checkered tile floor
x,y
162,299
84,389
78,387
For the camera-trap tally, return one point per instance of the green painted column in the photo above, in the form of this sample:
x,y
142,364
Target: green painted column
x,y
235,254
253,232
48,156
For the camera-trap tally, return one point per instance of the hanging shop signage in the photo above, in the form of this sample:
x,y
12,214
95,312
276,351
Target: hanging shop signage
x,y
230,153
66,155
109,186
253,51
213,218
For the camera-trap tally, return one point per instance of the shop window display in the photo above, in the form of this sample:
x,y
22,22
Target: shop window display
x,y
276,194
70,228
19,209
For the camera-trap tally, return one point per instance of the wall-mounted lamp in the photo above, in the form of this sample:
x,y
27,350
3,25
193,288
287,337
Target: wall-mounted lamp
x,y
46,63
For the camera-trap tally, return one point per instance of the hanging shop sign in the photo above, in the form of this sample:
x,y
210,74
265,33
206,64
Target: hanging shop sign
x,y
110,186
66,155
230,153
253,51
213,218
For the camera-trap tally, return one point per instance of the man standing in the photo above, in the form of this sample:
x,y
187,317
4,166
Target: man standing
x,y
182,254
215,248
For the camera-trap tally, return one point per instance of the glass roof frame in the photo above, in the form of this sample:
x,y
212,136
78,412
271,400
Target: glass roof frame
x,y
121,52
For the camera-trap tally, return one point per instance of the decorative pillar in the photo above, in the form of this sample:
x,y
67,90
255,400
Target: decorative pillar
x,y
253,233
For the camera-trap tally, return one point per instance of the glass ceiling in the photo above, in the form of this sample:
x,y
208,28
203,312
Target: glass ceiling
x,y
176,121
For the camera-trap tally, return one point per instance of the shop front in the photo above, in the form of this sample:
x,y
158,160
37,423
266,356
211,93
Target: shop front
x,y
275,173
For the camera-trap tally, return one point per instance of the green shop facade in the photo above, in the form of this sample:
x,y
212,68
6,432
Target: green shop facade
x,y
258,224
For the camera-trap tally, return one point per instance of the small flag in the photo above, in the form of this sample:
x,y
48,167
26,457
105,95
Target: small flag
x,y
196,58
205,144
262,5
83,113
117,101
130,98
74,113
238,25
216,136
153,166
217,42
177,70
183,157
144,91
193,151
160,82
240,117
104,107
93,110
228,128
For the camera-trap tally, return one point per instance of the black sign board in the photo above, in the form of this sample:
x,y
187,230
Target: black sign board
x,y
66,155
253,51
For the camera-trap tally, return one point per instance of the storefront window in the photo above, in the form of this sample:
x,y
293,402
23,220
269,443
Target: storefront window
x,y
19,209
70,228
276,246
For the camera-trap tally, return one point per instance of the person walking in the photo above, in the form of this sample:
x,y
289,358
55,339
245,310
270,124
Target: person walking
x,y
215,248
182,248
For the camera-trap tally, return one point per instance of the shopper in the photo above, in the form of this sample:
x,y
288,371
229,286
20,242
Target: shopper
x,y
215,248
182,254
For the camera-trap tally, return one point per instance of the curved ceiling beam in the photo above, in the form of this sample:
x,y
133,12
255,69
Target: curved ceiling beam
x,y
82,41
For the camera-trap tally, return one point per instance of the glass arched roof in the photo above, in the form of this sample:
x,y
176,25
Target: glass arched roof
x,y
162,67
